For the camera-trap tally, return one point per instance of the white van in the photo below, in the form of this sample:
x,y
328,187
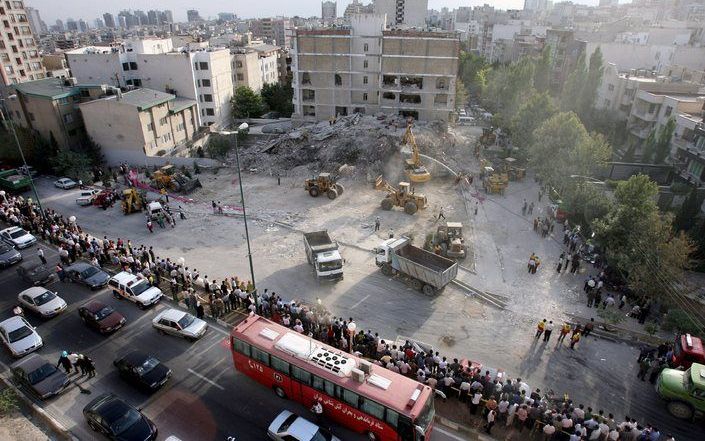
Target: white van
x,y
466,121
154,209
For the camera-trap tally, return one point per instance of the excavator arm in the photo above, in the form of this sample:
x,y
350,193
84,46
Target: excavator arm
x,y
410,140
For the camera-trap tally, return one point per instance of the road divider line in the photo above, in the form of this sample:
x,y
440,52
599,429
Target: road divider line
x,y
360,302
206,379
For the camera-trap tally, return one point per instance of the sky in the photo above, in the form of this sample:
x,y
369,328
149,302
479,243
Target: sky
x,y
50,10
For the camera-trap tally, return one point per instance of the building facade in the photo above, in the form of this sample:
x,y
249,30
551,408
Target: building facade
x,y
140,122
329,11
366,69
403,13
201,75
19,55
35,21
565,52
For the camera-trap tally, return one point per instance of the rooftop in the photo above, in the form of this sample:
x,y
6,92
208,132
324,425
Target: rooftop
x,y
51,88
179,104
144,99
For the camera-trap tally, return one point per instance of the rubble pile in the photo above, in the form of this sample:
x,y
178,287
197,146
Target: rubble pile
x,y
356,144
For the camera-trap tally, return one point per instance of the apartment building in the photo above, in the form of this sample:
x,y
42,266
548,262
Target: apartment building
x,y
19,55
256,65
652,110
403,13
203,75
140,122
367,69
56,66
690,154
329,11
565,52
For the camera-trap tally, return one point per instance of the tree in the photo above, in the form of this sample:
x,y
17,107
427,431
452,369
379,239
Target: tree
x,y
663,142
542,71
246,103
688,213
218,146
461,94
278,97
532,113
507,88
649,148
573,87
588,91
471,71
73,164
553,142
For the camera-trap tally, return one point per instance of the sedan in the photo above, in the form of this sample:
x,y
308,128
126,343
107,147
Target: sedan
x,y
41,301
86,198
36,273
288,426
19,337
87,274
101,317
65,183
17,237
39,376
8,255
143,370
183,324
118,420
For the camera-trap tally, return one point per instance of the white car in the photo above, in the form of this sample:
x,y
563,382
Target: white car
x,y
19,336
41,301
65,183
135,288
288,426
183,324
18,237
87,197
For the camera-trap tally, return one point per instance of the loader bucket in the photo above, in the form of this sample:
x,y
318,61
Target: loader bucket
x,y
379,183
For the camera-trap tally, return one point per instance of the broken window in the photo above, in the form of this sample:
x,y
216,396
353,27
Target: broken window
x,y
364,80
389,80
309,110
412,82
441,83
305,78
338,80
389,96
364,97
409,113
409,99
360,110
308,95
341,111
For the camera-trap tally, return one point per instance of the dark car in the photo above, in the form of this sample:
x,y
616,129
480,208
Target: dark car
x,y
87,274
36,273
143,370
118,420
101,317
8,255
39,376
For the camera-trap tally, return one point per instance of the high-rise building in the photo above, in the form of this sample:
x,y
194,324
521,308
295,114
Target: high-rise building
x,y
71,24
329,10
109,20
167,16
98,23
153,17
82,25
403,13
192,16
19,56
128,18
59,26
356,7
142,19
226,16
35,21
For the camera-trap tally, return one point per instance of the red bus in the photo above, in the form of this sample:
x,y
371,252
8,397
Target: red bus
x,y
354,392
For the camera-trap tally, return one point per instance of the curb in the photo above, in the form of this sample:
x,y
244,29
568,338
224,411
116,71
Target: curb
x,y
469,432
52,423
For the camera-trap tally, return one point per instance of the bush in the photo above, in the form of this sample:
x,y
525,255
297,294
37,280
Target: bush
x,y
8,401
196,168
161,152
678,321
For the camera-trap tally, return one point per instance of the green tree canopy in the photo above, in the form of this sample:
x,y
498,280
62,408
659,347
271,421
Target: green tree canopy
x,y
542,71
278,97
532,113
461,94
507,88
471,71
218,146
246,103
73,164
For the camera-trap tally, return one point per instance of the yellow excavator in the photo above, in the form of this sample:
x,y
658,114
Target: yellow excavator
x,y
132,201
414,169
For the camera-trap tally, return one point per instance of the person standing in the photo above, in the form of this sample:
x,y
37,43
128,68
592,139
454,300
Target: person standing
x,y
491,416
589,326
40,254
377,223
64,362
317,410
523,208
548,331
565,329
644,366
574,339
441,215
561,261
150,227
540,328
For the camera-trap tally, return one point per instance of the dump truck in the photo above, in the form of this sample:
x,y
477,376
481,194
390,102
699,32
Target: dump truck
x,y
422,270
13,180
322,252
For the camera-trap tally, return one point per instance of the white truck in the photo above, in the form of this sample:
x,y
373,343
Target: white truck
x,y
323,254
422,270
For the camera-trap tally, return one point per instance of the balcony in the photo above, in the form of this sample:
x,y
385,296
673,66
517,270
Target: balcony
x,y
640,132
645,116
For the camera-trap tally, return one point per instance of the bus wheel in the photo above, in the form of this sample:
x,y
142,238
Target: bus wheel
x,y
372,436
280,392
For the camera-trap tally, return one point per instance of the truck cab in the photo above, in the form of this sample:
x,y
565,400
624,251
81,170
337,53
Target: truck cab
x,y
329,265
683,390
686,351
383,253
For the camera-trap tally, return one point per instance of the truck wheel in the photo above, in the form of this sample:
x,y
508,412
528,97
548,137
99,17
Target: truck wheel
x,y
332,194
680,410
387,204
416,284
387,269
339,188
410,207
313,191
429,290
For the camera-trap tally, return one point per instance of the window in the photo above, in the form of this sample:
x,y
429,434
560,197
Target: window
x,y
392,417
329,388
366,47
195,66
351,398
305,78
68,118
238,64
167,137
365,64
210,112
280,365
318,383
308,95
137,82
150,127
203,65
301,375
206,83
338,80
441,83
364,97
669,109
372,408
240,77
364,80
63,101
208,98
162,121
260,356
652,108
125,66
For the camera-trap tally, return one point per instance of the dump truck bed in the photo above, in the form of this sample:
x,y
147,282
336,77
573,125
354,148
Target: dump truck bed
x,y
319,241
430,268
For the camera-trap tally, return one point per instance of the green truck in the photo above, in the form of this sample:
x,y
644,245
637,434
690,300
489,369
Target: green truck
x,y
13,180
684,391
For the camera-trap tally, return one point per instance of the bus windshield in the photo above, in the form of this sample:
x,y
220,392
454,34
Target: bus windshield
x,y
426,416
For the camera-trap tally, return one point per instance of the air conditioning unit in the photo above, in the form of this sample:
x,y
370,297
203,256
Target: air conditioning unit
x,y
366,367
357,375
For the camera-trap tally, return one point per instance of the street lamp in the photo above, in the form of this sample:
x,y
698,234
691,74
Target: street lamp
x,y
244,126
19,147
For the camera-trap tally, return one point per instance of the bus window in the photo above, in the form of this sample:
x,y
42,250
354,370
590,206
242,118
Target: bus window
x,y
330,389
405,429
351,398
392,417
280,365
301,375
318,383
372,408
260,356
241,347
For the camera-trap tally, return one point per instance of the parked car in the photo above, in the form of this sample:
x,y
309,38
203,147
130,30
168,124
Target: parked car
x,y
118,420
65,183
271,115
135,288
177,322
143,370
19,337
8,255
36,273
101,317
17,237
28,170
41,301
87,274
288,426
87,197
37,375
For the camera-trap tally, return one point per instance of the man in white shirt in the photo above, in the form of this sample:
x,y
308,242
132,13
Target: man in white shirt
x,y
548,431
